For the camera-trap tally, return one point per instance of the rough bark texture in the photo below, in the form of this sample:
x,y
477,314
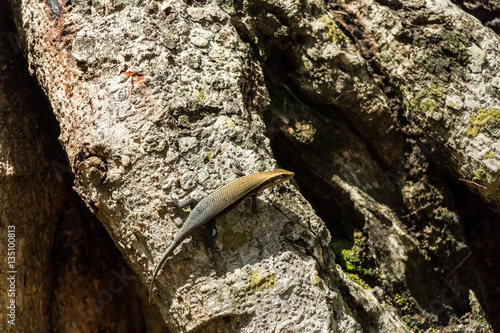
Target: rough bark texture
x,y
387,111
69,276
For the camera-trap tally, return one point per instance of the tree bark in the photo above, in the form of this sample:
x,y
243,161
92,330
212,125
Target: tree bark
x,y
60,270
386,111
29,202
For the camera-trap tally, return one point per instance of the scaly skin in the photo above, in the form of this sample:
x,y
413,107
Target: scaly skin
x,y
221,201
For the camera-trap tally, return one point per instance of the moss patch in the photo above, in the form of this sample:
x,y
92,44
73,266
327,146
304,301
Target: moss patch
x,y
447,53
407,307
333,30
489,155
482,120
477,310
455,45
356,260
482,175
233,240
201,95
403,303
258,282
427,100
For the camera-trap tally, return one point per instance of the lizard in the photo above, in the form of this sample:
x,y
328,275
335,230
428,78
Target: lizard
x,y
219,202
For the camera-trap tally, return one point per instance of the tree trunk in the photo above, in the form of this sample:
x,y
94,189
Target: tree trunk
x,y
388,113
60,270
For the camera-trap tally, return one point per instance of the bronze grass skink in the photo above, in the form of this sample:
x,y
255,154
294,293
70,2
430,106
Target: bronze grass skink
x,y
222,201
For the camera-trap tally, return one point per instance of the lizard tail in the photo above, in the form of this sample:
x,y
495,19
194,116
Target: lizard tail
x,y
163,259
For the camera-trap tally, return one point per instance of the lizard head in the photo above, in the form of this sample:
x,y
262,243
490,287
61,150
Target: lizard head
x,y
277,176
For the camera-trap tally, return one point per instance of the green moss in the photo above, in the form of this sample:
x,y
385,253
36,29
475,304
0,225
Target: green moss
x,y
489,155
426,100
333,31
358,280
483,119
257,282
356,261
436,92
428,104
447,53
201,95
407,307
477,311
233,240
208,156
455,45
402,303
482,175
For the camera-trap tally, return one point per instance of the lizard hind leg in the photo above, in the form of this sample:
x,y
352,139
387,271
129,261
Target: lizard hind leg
x,y
211,233
254,203
191,202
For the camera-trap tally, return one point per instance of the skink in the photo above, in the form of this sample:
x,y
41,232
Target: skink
x,y
222,201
